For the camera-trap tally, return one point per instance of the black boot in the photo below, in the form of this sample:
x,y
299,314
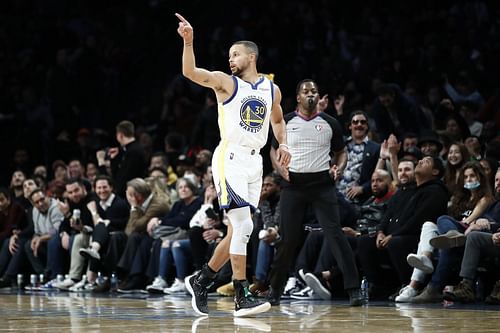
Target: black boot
x,y
244,303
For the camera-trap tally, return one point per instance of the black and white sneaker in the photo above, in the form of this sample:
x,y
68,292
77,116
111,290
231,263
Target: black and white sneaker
x,y
198,294
319,285
245,304
305,294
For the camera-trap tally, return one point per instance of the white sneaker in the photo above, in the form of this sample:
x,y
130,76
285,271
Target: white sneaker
x,y
157,286
177,287
421,262
406,294
78,286
306,293
302,275
291,286
83,287
48,285
65,284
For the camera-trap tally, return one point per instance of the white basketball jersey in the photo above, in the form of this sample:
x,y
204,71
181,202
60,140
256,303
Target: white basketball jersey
x,y
244,117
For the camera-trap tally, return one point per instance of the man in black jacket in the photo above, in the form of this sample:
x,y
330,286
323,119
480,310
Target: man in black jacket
x,y
127,162
110,214
77,225
399,230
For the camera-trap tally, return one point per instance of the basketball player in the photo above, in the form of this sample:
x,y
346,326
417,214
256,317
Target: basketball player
x,y
247,103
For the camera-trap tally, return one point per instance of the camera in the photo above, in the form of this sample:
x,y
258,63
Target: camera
x,y
211,214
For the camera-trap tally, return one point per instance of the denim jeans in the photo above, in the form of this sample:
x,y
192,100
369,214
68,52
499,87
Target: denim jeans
x,y
165,262
183,257
447,257
265,255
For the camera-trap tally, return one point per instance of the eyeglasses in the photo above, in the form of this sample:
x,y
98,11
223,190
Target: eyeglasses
x,y
360,121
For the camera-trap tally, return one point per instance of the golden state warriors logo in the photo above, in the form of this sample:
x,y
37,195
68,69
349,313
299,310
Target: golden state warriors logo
x,y
252,113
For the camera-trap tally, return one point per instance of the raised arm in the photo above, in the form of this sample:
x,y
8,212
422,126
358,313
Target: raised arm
x,y
279,129
216,80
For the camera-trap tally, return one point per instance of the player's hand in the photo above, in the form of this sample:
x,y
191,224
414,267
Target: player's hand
x,y
283,155
185,29
283,172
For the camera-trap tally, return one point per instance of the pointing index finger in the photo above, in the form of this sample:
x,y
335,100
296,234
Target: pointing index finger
x,y
181,18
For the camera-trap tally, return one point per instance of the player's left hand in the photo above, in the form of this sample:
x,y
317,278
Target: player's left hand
x,y
185,29
283,156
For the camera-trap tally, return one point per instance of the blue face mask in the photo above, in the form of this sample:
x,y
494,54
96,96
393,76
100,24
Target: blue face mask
x,y
472,186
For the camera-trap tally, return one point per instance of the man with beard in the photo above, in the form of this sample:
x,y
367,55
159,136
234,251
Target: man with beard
x,y
78,225
399,231
16,185
248,104
319,159
12,252
266,231
47,219
12,220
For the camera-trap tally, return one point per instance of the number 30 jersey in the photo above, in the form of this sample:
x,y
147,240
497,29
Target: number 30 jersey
x,y
244,117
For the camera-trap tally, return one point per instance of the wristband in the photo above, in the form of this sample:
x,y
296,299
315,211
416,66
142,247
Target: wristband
x,y
284,145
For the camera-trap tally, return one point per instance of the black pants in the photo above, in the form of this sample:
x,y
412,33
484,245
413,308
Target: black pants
x,y
112,246
318,190
11,264
310,257
135,257
372,259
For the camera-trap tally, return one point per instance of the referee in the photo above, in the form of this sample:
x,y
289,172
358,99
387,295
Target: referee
x,y
318,154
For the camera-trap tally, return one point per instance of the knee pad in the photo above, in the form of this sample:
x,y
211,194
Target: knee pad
x,y
242,230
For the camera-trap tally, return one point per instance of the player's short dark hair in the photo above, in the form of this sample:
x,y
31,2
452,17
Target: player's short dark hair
x,y
251,46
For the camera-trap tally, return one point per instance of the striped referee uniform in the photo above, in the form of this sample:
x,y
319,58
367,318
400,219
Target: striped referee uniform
x,y
312,142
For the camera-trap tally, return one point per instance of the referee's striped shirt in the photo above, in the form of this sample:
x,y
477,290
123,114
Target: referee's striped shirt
x,y
312,141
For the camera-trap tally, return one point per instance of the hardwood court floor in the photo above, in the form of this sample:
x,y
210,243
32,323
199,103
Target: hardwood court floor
x,y
69,312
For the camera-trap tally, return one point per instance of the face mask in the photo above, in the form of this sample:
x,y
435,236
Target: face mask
x,y
472,186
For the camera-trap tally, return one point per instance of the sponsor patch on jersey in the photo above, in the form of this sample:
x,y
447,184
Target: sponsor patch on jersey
x,y
252,113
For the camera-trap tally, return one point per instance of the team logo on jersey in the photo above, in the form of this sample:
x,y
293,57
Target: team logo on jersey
x,y
318,128
252,113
